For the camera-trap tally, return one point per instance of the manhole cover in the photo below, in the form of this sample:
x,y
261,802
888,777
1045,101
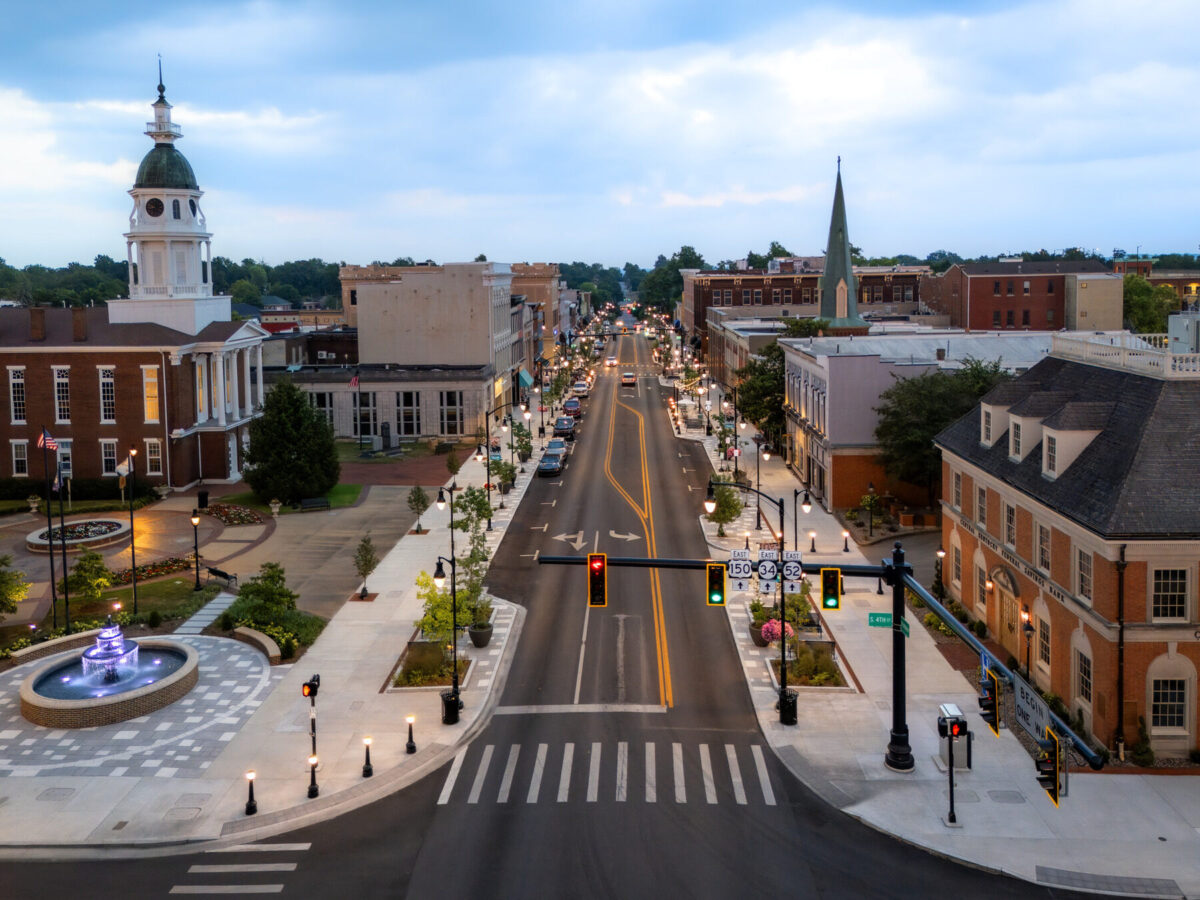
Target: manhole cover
x,y
181,813
1006,796
56,794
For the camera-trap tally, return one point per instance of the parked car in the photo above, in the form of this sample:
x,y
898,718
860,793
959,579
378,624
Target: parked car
x,y
628,378
564,427
611,362
581,389
573,408
550,464
557,445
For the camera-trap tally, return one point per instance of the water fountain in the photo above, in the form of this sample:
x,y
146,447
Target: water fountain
x,y
111,681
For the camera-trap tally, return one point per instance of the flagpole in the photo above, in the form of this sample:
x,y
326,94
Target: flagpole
x,y
50,530
358,385
62,534
132,556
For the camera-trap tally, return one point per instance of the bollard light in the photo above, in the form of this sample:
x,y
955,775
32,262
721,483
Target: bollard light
x,y
411,746
845,542
368,771
251,805
812,542
313,790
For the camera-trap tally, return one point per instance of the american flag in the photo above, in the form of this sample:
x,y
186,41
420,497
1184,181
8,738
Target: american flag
x,y
354,381
46,441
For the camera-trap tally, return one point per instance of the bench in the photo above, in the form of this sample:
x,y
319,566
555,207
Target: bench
x,y
314,503
213,572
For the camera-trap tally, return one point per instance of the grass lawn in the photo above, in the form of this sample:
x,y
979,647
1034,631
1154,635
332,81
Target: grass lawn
x,y
10,507
341,495
173,597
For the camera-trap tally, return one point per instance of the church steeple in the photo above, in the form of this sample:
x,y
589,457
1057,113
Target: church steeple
x,y
162,129
839,289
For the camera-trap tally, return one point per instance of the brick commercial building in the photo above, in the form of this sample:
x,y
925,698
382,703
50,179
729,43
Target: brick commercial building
x,y
1072,529
1029,296
163,371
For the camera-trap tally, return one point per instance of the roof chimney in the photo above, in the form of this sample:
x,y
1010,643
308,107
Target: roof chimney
x,y
79,323
37,323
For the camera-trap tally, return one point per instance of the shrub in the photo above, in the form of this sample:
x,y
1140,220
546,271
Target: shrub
x,y
225,622
934,622
288,648
1194,756
980,628
1141,753
154,619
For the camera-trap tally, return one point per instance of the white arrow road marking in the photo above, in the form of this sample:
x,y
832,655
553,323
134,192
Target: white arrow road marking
x,y
549,502
533,555
541,528
575,540
624,537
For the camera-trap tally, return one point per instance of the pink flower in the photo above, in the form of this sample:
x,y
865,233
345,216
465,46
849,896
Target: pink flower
x,y
770,630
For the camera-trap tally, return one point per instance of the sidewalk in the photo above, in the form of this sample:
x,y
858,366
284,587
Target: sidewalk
x,y
178,775
1133,835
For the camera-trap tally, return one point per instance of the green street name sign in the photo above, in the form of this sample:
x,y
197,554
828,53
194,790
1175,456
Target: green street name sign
x,y
884,620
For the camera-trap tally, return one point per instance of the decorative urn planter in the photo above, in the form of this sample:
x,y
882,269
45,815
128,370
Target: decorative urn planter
x,y
756,636
275,507
480,634
33,500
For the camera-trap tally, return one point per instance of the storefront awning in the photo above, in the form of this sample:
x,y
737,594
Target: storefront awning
x,y
525,378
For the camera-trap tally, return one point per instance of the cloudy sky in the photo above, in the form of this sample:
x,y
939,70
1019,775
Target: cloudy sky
x,y
607,130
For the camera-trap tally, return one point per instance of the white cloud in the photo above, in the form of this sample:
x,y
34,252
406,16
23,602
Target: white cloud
x,y
737,196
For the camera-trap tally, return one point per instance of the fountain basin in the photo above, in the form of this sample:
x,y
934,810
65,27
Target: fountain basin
x,y
81,535
118,703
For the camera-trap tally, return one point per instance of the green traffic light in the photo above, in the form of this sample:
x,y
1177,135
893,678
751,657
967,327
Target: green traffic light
x,y
716,598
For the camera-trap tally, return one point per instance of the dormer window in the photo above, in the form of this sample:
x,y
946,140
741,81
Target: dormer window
x,y
1014,432
987,426
1051,455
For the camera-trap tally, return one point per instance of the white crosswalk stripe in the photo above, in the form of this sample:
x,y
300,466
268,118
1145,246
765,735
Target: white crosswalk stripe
x,y
739,793
718,783
240,869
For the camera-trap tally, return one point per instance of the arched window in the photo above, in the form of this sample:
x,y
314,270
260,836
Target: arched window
x,y
175,208
1170,704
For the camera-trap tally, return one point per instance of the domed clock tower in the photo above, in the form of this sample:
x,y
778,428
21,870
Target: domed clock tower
x,y
169,248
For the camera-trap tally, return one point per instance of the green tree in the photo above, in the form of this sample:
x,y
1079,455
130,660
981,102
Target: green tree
x,y
89,577
913,412
453,464
418,502
760,390
1146,306
728,508
292,453
804,327
438,613
13,587
245,291
266,598
365,559
482,257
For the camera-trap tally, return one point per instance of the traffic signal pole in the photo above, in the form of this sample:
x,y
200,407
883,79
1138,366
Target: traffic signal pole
x,y
899,756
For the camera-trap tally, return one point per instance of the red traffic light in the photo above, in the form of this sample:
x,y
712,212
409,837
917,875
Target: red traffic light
x,y
957,727
597,564
597,579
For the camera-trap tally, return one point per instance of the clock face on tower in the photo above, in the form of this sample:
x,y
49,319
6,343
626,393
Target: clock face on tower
x,y
154,207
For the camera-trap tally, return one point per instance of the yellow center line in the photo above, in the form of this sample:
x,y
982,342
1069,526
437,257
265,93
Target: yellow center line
x,y
645,515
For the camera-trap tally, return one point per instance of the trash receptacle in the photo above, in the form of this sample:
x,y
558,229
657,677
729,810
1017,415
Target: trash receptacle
x,y
202,500
787,708
450,705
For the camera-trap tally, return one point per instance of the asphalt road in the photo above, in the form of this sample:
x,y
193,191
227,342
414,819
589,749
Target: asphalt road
x,y
624,759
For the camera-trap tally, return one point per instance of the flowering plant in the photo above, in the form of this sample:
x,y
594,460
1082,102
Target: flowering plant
x,y
154,569
78,531
770,630
228,514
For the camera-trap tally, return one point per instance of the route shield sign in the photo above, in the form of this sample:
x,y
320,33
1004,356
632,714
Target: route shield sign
x,y
741,571
792,571
768,568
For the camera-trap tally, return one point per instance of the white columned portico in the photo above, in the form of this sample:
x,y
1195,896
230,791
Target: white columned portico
x,y
235,402
259,363
249,407
220,380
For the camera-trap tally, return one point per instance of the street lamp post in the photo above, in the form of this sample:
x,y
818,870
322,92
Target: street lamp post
x,y
871,510
451,704
807,507
758,480
787,699
1027,628
132,540
196,543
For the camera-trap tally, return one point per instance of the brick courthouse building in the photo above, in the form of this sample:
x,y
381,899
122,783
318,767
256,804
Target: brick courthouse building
x,y
164,371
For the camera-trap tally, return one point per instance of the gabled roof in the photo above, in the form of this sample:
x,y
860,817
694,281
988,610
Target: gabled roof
x,y
1134,479
1040,404
60,330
